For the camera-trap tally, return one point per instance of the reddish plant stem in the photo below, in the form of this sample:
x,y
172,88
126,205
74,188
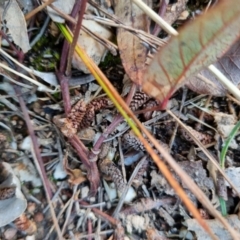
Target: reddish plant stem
x,y
65,49
161,12
156,108
61,74
117,120
31,132
83,147
34,140
89,229
75,35
65,91
131,93
9,42
63,59
74,12
92,170
75,142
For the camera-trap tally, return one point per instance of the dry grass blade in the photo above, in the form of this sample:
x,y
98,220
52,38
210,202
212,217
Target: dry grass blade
x,y
132,120
155,17
121,200
41,87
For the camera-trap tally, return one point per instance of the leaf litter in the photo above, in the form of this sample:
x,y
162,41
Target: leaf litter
x,y
151,209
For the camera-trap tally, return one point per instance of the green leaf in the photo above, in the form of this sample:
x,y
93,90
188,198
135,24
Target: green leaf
x,y
198,45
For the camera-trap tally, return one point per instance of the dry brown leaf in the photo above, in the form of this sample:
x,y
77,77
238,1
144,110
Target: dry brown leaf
x,y
95,49
132,52
23,223
76,176
16,24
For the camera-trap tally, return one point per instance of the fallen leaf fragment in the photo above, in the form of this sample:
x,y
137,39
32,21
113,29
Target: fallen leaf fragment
x,y
233,174
93,48
26,172
216,227
225,123
132,51
135,222
12,207
23,223
76,176
16,24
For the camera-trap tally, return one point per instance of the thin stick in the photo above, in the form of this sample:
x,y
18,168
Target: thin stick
x,y
75,36
63,15
228,84
122,160
121,200
155,17
41,87
69,210
38,9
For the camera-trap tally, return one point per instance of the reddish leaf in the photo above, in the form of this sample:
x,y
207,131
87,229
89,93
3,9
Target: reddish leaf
x,y
198,45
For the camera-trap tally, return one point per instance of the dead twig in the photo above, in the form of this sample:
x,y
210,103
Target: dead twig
x,y
38,9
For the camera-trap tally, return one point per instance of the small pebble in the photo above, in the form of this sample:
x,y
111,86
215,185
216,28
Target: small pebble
x,y
10,233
